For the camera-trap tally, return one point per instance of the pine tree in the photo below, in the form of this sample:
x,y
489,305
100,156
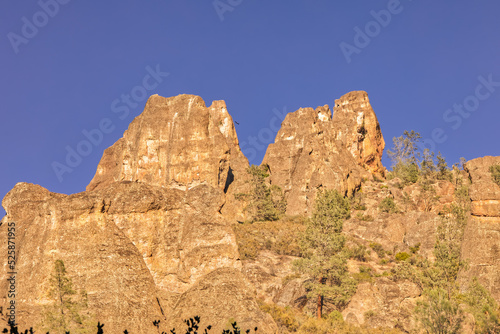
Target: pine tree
x,y
444,172
405,148
323,259
69,309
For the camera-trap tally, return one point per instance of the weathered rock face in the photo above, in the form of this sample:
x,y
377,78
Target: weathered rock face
x,y
481,244
357,127
396,231
383,303
131,246
484,193
223,294
177,142
266,273
98,257
312,150
305,157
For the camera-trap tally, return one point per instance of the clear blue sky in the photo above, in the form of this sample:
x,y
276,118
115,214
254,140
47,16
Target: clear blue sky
x,y
63,77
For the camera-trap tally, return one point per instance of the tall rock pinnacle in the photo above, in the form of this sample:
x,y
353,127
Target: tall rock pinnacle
x,y
175,142
357,127
314,150
178,142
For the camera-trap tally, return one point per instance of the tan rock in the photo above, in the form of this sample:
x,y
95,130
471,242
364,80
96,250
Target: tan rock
x,y
484,193
99,258
177,142
266,273
383,303
481,244
312,150
305,157
132,246
219,298
357,127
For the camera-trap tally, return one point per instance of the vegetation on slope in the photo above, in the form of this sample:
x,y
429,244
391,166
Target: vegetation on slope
x,y
265,202
444,308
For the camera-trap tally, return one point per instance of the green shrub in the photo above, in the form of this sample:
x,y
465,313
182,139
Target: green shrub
x,y
402,256
408,173
264,202
365,274
388,205
369,314
283,316
484,308
365,218
378,249
415,248
438,313
358,253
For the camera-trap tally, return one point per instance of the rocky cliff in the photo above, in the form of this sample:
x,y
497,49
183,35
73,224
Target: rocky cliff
x,y
312,150
177,142
153,236
481,245
357,128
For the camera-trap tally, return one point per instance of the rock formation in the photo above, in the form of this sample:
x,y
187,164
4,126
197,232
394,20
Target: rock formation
x,y
152,237
98,256
223,294
177,142
312,150
148,228
357,127
381,302
481,245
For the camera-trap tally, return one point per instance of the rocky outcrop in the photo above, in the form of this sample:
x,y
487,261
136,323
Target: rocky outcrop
x,y
99,258
152,237
383,303
484,193
267,273
305,157
481,244
223,295
177,142
357,127
313,151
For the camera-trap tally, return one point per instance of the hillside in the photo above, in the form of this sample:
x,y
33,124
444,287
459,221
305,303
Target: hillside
x,y
173,225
